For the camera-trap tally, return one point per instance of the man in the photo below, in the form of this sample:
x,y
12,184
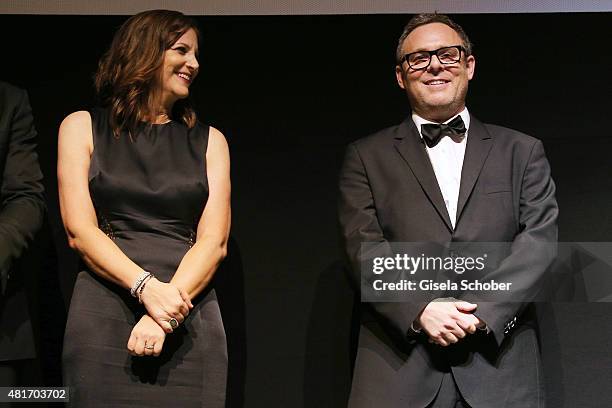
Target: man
x,y
21,215
459,182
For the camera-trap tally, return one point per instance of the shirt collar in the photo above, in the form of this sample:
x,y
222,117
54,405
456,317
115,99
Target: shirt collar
x,y
465,115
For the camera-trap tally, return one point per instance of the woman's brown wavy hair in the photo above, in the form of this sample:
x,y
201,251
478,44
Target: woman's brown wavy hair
x,y
130,71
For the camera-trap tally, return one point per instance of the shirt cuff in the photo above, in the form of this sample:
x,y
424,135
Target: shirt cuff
x,y
484,328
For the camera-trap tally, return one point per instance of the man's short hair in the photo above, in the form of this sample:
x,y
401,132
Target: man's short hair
x,y
428,18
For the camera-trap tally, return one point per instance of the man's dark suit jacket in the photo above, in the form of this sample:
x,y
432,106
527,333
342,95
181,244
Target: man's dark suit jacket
x,y
21,215
389,192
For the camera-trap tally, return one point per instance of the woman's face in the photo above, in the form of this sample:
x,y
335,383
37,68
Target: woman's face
x,y
180,68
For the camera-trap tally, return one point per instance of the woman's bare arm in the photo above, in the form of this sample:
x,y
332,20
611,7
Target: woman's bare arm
x,y
201,261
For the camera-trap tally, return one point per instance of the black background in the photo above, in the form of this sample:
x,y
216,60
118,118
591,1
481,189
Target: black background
x,y
289,93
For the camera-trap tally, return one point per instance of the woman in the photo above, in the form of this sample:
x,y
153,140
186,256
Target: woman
x,y
145,200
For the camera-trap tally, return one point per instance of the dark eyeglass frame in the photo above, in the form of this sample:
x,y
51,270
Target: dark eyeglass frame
x,y
431,54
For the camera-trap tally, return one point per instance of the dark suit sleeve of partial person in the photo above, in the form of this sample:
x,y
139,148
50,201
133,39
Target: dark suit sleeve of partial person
x,y
359,224
21,193
532,251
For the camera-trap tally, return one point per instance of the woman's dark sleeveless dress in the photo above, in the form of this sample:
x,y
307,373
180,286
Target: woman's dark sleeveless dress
x,y
149,194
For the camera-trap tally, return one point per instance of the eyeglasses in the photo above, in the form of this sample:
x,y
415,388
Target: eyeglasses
x,y
446,55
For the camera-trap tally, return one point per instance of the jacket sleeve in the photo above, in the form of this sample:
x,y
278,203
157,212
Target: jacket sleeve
x,y
359,224
532,251
21,193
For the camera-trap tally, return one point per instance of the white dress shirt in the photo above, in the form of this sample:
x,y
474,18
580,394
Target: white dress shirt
x,y
447,161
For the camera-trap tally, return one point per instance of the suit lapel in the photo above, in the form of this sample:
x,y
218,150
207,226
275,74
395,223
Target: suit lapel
x,y
479,144
409,145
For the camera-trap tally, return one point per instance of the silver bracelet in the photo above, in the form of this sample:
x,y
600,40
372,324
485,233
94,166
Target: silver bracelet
x,y
142,286
141,278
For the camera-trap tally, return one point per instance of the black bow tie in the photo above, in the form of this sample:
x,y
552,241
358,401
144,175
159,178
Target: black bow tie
x,y
433,132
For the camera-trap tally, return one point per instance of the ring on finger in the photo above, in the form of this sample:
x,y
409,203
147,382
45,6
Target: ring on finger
x,y
149,347
173,323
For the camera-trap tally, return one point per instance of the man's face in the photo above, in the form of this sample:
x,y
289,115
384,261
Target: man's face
x,y
437,92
